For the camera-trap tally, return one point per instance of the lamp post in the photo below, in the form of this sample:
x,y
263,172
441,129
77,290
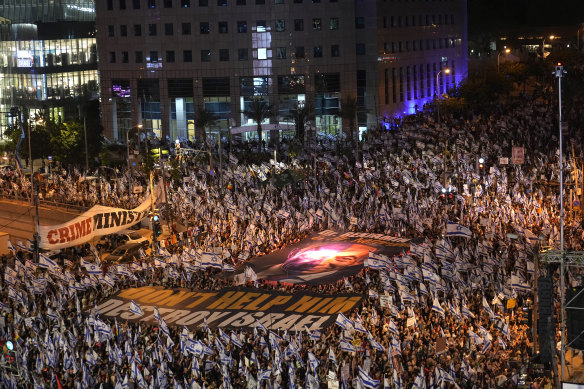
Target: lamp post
x,y
446,71
559,72
551,37
506,51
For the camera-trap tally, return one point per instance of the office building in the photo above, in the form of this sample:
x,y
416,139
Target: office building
x,y
48,57
162,60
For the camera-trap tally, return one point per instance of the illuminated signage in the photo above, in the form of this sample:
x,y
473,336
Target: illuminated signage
x,y
23,59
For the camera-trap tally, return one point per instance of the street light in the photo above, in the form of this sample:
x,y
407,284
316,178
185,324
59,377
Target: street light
x,y
551,37
506,51
446,71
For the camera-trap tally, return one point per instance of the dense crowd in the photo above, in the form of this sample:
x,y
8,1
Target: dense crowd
x,y
452,291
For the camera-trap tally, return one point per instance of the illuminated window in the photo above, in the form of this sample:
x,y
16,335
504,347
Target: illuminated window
x,y
334,24
262,53
316,24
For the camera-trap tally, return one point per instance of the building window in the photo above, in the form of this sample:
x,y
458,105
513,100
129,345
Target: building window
x,y
205,55
360,49
153,56
260,25
278,1
110,5
112,57
299,52
187,56
122,5
110,30
204,28
414,44
422,94
223,28
281,52
316,24
242,54
315,1
203,3
359,22
317,51
335,51
223,55
280,25
151,4
186,28
408,86
262,53
167,3
168,29
185,3
123,30
152,30
137,30
222,3
136,4
298,24
241,2
297,1
259,2
334,24
139,57
241,26
170,56
125,57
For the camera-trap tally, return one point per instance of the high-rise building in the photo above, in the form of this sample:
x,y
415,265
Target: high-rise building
x,y
162,60
48,57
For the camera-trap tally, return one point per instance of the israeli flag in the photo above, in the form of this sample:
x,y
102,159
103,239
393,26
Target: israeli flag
x,y
233,159
135,309
346,346
367,380
437,307
343,322
455,229
46,262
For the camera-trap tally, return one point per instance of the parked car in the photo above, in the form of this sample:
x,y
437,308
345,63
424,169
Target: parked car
x,y
126,253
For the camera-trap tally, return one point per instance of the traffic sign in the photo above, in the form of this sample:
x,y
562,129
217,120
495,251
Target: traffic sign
x,y
50,157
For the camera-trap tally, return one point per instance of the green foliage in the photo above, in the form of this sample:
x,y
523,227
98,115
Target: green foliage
x,y
301,116
203,120
258,111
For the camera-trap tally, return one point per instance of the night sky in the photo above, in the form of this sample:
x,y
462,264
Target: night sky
x,y
511,15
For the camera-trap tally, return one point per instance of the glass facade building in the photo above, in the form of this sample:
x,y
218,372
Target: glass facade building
x,y
48,57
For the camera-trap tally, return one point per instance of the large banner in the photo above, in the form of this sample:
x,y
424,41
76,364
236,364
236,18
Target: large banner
x,y
97,221
325,257
231,307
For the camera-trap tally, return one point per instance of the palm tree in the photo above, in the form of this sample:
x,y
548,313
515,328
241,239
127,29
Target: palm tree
x,y
348,111
203,120
302,115
258,111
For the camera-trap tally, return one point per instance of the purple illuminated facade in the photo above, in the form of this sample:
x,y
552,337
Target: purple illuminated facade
x,y
162,60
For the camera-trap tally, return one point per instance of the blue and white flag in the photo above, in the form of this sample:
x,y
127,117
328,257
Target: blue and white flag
x,y
135,309
437,307
346,346
367,380
343,322
47,262
455,229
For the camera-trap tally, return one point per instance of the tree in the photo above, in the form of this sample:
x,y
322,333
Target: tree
x,y
302,115
203,120
348,112
259,110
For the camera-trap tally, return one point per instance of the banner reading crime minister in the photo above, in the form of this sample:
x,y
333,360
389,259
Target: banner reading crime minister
x,y
231,307
97,221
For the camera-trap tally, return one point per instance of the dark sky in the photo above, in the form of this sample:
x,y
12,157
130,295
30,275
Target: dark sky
x,y
512,15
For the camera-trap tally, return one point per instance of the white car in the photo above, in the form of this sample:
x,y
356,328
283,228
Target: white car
x,y
130,236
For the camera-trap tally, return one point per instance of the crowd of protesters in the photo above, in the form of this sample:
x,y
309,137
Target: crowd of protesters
x,y
409,183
